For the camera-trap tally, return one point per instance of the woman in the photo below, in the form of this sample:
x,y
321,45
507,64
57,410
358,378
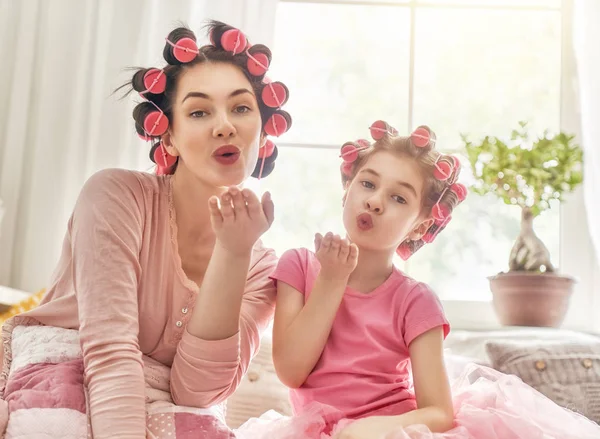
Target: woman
x,y
170,265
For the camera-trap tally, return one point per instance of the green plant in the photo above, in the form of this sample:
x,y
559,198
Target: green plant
x,y
528,173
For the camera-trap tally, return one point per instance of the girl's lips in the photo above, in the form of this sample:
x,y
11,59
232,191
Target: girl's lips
x,y
227,154
364,221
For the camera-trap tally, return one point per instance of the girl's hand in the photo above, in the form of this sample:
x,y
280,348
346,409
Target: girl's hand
x,y
375,427
239,219
337,256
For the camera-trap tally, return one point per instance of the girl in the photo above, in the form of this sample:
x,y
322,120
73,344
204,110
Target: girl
x,y
359,343
171,265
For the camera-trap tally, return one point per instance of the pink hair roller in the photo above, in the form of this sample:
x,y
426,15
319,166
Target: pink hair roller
x,y
274,95
420,137
155,81
404,251
156,123
162,158
234,41
276,125
266,150
184,49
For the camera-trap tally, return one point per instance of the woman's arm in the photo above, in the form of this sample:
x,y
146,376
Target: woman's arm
x,y
105,235
233,305
238,222
206,372
216,314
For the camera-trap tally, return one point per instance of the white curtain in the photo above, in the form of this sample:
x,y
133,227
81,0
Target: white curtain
x,y
586,41
59,122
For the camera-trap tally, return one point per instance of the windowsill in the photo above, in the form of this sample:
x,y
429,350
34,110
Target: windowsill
x,y
471,314
479,315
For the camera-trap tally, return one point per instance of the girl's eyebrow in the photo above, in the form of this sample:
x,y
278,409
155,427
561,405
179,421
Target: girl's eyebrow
x,y
398,182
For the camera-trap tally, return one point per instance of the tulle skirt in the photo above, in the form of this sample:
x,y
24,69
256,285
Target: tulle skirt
x,y
487,405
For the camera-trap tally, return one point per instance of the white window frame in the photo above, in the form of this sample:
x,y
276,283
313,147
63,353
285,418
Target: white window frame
x,y
576,251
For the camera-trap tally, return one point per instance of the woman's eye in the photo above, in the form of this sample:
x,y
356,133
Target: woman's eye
x,y
242,109
198,113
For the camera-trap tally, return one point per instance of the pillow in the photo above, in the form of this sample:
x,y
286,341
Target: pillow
x,y
259,391
471,343
566,372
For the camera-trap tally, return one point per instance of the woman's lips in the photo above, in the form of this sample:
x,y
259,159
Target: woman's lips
x,y
227,154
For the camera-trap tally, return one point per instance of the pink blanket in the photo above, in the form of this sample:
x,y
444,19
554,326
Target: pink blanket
x,y
44,393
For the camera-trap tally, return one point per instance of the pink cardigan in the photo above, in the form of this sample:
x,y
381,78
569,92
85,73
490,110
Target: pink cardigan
x,y
119,280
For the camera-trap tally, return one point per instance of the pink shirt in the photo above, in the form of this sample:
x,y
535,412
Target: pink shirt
x,y
120,282
364,369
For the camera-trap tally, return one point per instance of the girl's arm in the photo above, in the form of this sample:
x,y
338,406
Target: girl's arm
x,y
432,390
301,329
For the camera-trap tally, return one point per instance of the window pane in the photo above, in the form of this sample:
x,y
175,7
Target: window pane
x,y
343,73
521,3
476,244
491,70
307,192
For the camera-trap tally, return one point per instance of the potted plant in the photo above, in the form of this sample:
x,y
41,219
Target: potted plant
x,y
528,173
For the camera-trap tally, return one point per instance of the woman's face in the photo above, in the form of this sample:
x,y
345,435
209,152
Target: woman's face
x,y
216,124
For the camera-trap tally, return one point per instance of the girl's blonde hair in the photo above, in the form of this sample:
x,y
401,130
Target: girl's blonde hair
x,y
441,193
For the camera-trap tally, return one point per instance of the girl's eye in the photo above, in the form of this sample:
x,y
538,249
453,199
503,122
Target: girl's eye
x,y
368,184
198,113
242,109
399,199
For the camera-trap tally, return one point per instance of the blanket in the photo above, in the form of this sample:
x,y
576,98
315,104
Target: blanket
x,y
45,394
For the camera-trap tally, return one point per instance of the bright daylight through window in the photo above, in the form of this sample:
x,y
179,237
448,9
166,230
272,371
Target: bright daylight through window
x,y
412,63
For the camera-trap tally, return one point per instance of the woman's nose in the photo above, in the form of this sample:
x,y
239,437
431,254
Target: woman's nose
x,y
224,127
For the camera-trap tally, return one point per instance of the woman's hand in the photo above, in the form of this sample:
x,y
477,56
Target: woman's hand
x,y
337,256
239,219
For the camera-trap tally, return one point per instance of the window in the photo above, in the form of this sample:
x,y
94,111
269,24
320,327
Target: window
x,y
459,66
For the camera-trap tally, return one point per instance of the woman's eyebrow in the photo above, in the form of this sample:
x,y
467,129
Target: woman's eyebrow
x,y
199,94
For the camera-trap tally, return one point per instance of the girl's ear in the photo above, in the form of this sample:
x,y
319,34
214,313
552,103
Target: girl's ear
x,y
421,229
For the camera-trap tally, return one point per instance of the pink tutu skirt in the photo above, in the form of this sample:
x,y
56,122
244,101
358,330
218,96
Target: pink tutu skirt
x,y
487,405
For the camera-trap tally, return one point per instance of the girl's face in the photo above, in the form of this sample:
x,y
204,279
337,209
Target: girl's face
x,y
216,127
383,203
